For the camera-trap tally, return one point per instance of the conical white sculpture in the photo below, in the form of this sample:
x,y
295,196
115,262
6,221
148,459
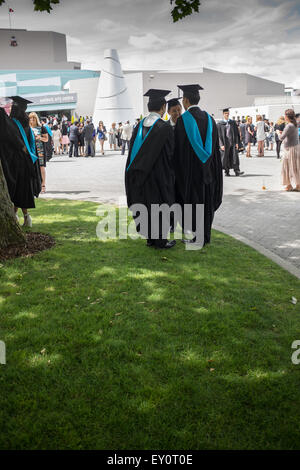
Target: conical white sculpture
x,y
113,102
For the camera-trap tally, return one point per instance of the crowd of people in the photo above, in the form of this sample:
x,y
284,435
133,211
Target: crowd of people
x,y
79,138
263,133
27,142
243,136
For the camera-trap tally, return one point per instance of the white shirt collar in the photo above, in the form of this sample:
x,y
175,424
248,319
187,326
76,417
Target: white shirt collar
x,y
151,118
173,124
153,113
193,106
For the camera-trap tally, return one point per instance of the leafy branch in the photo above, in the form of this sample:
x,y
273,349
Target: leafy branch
x,y
184,8
181,9
40,5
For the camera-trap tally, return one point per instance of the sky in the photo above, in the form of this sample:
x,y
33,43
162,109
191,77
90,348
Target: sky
x,y
259,37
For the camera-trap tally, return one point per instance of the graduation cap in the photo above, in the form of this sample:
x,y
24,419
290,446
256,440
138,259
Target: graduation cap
x,y
191,92
190,89
156,98
22,102
155,94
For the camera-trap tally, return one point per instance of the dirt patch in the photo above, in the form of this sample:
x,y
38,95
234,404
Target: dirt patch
x,y
35,242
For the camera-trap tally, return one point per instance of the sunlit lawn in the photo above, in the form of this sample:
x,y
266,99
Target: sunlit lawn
x,y
113,345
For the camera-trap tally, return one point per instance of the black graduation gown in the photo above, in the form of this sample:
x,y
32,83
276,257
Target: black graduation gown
x,y
197,182
22,176
150,178
230,156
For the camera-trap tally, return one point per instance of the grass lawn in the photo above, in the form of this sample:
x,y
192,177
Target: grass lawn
x,y
113,345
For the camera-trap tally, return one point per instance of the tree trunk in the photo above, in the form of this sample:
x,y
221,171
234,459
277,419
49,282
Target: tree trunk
x,y
10,231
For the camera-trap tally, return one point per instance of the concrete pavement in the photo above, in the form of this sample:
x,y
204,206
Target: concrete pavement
x,y
267,219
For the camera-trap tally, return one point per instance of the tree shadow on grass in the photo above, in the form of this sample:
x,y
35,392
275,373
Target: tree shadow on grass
x,y
116,345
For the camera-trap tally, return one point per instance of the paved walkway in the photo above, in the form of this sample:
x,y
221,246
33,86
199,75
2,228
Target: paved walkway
x,y
268,220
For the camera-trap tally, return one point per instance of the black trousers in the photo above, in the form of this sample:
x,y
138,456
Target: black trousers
x,y
232,160
124,142
73,145
278,146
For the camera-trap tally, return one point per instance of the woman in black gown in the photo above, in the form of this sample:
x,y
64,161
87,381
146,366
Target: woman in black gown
x,y
23,177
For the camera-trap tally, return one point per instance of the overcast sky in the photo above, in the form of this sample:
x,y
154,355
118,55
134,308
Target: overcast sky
x,y
260,37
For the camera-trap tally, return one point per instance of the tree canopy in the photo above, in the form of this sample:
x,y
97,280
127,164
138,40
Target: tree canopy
x,y
181,9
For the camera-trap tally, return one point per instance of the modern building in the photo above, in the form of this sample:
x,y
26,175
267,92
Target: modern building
x,y
112,102
34,65
220,89
43,50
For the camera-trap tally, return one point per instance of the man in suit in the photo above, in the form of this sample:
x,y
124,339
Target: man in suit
x,y
89,134
74,139
229,138
243,126
126,135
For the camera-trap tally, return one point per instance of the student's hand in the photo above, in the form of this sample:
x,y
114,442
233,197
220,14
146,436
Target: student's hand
x,y
237,146
222,148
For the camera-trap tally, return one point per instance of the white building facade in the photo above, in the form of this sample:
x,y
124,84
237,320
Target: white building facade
x,y
220,89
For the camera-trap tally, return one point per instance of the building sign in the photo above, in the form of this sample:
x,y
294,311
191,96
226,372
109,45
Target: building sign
x,y
53,99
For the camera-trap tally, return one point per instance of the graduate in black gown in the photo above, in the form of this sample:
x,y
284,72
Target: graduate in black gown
x,y
230,142
149,174
18,158
198,167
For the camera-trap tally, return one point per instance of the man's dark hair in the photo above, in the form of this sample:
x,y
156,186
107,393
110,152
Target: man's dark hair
x,y
156,105
18,112
55,127
172,104
297,115
193,98
76,123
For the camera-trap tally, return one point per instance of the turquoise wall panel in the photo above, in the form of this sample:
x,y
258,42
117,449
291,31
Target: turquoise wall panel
x,y
29,90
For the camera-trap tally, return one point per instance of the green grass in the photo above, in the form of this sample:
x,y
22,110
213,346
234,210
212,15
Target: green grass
x,y
130,339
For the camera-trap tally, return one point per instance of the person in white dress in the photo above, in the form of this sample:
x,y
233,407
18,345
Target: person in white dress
x,y
260,135
56,135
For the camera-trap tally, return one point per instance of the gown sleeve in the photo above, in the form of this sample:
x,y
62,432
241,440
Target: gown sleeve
x,y
220,135
217,172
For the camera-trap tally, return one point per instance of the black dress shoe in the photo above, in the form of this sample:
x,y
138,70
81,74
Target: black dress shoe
x,y
239,173
150,243
169,244
190,240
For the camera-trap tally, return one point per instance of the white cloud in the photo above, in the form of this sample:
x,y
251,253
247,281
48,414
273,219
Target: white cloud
x,y
148,41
